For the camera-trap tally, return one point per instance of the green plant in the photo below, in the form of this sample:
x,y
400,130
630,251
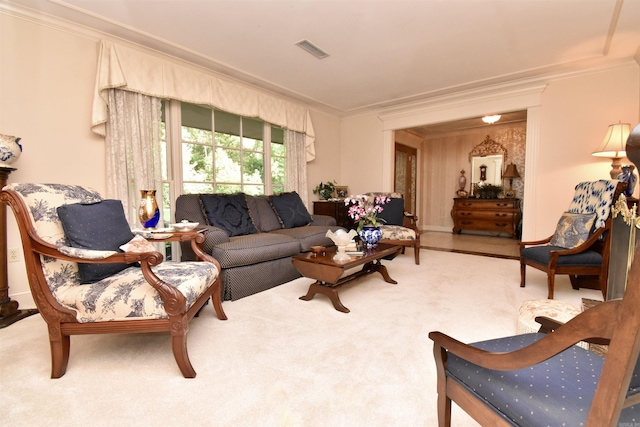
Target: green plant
x,y
325,189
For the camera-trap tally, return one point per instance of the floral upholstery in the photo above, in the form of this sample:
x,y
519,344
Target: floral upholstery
x,y
397,232
594,197
125,295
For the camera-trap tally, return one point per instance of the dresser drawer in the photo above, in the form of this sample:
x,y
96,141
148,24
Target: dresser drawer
x,y
498,215
485,215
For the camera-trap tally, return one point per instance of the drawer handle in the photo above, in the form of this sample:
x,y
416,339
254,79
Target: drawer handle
x,y
502,204
501,225
466,222
502,214
465,213
466,204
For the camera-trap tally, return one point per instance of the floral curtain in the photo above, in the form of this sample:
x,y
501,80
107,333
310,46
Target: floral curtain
x,y
133,153
296,173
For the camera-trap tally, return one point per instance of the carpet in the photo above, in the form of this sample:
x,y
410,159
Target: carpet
x,y
280,361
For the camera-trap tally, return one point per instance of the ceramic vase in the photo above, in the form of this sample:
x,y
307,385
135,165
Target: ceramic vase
x,y
630,178
148,211
370,236
10,150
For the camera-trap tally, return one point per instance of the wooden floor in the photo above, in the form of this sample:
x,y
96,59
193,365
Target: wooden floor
x,y
499,247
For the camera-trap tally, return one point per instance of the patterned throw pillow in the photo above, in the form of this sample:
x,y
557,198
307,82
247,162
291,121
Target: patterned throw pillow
x,y
290,209
99,226
228,212
572,230
594,197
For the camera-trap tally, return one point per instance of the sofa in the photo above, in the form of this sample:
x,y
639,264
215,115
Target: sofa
x,y
253,237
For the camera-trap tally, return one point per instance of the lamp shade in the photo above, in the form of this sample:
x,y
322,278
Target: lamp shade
x,y
511,171
613,145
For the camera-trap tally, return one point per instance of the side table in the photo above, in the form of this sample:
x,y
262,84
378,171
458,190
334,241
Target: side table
x,y
9,312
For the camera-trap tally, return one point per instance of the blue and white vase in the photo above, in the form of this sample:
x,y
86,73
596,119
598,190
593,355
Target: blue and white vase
x,y
10,150
370,236
629,177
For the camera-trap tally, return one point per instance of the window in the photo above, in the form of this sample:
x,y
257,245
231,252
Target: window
x,y
206,150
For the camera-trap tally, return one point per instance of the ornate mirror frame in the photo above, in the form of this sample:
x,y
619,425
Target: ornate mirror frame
x,y
488,151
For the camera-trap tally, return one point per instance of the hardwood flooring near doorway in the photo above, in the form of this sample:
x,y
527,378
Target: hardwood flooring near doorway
x,y
498,247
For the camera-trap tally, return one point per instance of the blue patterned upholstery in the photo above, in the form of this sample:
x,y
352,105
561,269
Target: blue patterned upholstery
x,y
594,197
557,392
542,255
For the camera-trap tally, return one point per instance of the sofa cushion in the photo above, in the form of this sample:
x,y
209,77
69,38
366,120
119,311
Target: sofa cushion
x,y
254,248
100,226
313,235
228,212
290,209
268,219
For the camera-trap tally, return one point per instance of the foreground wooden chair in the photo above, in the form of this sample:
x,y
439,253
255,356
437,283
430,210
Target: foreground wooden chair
x,y
542,380
154,297
587,260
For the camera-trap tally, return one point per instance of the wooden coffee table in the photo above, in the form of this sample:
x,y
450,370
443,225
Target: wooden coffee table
x,y
329,273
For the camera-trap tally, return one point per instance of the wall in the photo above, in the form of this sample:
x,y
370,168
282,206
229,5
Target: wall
x,y
47,79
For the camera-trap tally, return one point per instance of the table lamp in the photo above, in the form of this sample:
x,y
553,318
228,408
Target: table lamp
x,y
511,172
613,146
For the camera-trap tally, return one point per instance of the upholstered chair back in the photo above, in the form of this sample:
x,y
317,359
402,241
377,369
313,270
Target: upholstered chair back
x,y
41,201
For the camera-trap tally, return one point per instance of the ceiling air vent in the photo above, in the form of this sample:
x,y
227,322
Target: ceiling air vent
x,y
312,49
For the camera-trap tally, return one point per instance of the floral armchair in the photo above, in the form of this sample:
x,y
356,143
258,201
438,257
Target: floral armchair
x,y
400,227
143,295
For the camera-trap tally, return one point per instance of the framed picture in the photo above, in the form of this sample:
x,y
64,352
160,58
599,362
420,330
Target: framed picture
x,y
342,191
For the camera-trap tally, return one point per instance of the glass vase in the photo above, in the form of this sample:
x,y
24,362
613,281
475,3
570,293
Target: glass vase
x,y
148,211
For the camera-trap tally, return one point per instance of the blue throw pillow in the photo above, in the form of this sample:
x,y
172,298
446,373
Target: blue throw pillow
x,y
393,212
290,209
228,212
99,226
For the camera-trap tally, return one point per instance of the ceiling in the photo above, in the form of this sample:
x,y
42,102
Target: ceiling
x,y
381,52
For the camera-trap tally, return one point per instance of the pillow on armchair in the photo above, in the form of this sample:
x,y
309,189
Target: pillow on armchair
x,y
572,230
98,226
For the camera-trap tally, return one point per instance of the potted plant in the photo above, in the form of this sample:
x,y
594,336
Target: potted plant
x,y
325,189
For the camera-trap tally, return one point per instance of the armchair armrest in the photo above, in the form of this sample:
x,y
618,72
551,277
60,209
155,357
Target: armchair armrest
x,y
535,242
593,323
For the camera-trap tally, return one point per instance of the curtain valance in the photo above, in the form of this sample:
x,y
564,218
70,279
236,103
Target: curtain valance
x,y
132,70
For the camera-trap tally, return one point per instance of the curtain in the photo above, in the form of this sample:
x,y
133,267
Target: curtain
x,y
136,71
296,173
133,153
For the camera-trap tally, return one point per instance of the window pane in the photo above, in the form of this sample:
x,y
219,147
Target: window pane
x,y
228,188
278,189
166,203
163,149
227,127
277,149
254,190
195,116
277,170
197,162
252,134
253,168
227,165
195,188
277,134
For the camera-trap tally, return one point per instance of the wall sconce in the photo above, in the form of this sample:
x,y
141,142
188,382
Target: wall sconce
x,y
510,172
613,146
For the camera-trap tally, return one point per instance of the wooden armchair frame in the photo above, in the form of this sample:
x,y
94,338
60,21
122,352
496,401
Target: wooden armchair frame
x,y
599,241
616,322
62,322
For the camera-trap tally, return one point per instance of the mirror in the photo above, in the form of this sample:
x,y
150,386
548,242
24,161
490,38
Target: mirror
x,y
487,169
487,160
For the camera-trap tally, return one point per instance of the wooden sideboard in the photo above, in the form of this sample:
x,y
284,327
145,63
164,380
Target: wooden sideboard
x,y
336,209
501,215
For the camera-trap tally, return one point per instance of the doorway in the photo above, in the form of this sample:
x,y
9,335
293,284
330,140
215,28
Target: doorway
x,y
405,182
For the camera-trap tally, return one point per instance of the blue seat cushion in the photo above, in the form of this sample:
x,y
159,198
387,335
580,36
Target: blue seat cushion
x,y
556,392
542,255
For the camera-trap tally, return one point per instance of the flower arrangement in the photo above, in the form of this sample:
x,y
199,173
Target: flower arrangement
x,y
365,209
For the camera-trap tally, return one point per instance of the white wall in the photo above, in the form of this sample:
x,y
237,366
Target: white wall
x,y
47,75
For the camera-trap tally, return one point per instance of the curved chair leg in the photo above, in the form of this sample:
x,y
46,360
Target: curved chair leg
x,y
416,252
523,274
216,298
60,345
551,277
179,329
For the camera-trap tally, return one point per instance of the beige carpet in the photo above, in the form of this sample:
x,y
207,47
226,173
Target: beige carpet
x,y
280,361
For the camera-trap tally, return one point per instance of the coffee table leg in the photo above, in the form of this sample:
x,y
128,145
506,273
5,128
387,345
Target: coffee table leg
x,y
377,266
332,293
